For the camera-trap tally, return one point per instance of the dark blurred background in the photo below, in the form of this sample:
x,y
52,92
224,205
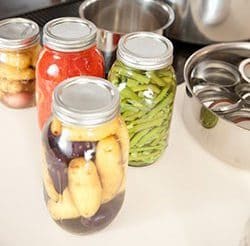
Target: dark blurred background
x,y
9,8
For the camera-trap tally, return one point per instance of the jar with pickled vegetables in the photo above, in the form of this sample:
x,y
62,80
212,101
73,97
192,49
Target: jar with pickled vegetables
x,y
85,155
19,49
69,50
144,75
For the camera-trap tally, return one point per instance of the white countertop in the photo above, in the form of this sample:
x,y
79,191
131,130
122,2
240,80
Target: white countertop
x,y
188,198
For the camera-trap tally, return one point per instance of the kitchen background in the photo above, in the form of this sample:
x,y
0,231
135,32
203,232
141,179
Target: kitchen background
x,y
41,11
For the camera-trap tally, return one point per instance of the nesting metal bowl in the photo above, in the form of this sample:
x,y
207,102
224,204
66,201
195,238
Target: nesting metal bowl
x,y
225,136
115,18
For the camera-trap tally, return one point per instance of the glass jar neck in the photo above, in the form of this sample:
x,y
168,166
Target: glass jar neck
x,y
170,66
28,46
68,49
84,50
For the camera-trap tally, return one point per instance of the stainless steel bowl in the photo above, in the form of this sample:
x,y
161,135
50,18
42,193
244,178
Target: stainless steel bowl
x,y
210,21
224,139
115,18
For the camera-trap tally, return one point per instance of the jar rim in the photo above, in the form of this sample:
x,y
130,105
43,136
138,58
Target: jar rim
x,y
85,101
69,34
18,33
145,51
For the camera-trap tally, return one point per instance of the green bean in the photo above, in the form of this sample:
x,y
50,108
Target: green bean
x,y
153,155
165,72
127,114
129,107
139,88
146,106
136,104
149,137
121,65
162,142
155,79
157,147
161,105
141,94
145,119
138,136
114,78
128,93
131,74
154,88
160,111
161,96
163,134
144,158
153,123
133,117
168,80
132,83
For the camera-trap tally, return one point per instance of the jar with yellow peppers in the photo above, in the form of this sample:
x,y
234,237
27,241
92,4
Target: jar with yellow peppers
x,y
144,75
85,155
19,49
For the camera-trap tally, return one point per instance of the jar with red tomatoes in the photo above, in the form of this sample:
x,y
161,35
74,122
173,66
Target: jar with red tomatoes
x,y
69,50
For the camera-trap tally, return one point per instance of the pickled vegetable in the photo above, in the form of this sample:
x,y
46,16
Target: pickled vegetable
x,y
109,166
123,139
57,161
48,182
147,99
64,208
85,186
85,180
92,133
17,77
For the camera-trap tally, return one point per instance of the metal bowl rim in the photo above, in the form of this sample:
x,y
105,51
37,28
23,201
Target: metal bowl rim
x,y
168,9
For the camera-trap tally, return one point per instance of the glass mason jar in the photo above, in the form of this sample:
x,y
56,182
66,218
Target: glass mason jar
x,y
19,48
69,51
146,80
85,155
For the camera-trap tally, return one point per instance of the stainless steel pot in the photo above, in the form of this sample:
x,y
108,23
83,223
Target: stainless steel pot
x,y
226,140
114,18
209,21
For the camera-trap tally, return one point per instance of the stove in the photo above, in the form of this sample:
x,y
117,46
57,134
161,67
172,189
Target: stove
x,y
42,11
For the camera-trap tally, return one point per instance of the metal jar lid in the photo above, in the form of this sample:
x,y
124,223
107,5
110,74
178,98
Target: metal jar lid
x,y
240,118
85,101
18,33
203,87
145,50
217,72
220,102
243,92
69,34
244,69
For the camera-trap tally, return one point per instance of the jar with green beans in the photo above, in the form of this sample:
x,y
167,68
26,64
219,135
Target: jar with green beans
x,y
146,80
